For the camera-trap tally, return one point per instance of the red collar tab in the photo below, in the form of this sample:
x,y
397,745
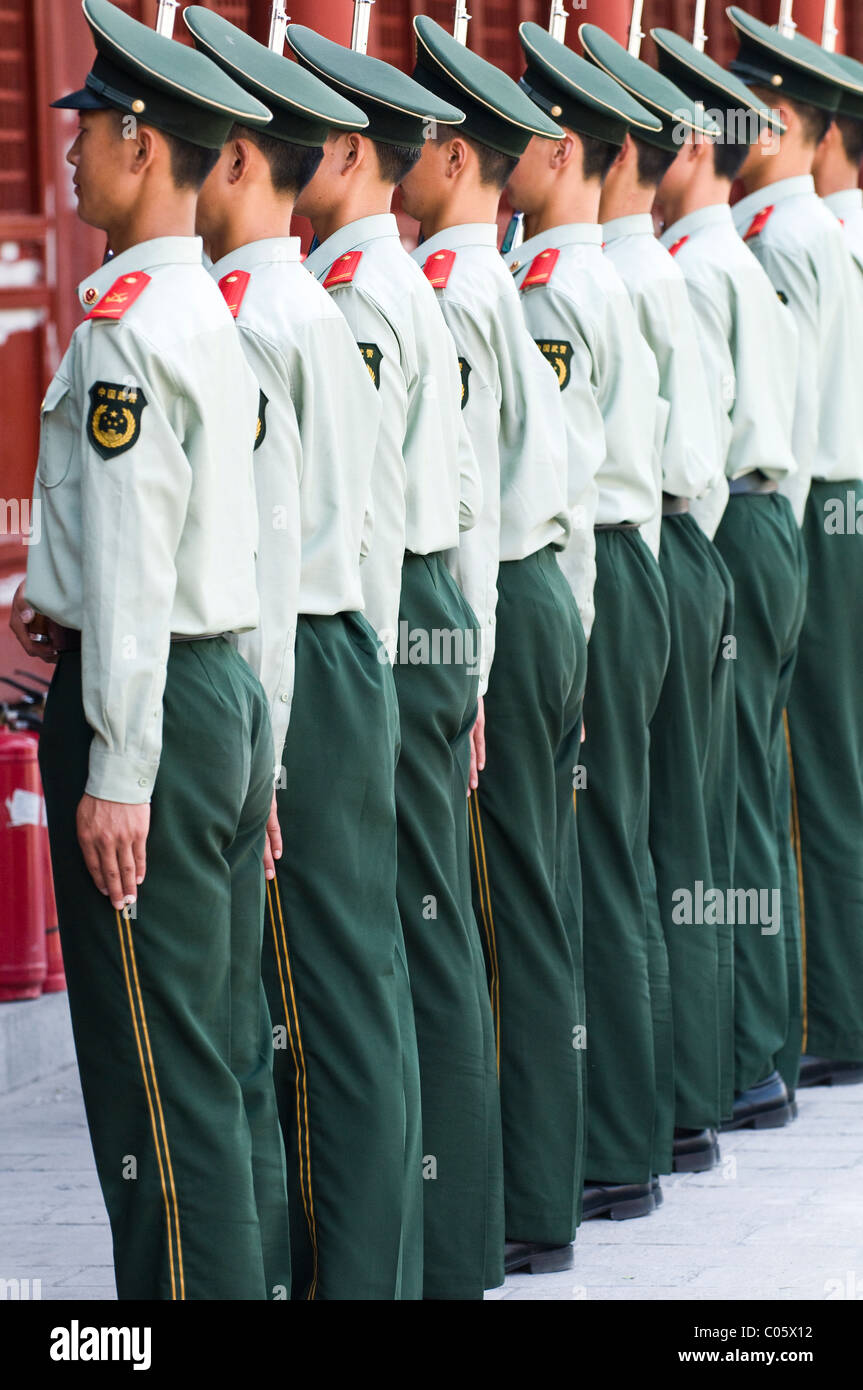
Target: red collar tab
x,y
233,287
678,246
438,269
121,296
343,270
541,270
759,222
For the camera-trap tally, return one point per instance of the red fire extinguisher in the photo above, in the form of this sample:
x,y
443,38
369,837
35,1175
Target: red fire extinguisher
x,y
22,869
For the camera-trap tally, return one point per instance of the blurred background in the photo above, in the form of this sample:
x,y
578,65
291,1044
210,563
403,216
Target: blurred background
x,y
46,50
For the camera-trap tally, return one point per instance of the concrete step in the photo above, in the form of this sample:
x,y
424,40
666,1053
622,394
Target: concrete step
x,y
35,1040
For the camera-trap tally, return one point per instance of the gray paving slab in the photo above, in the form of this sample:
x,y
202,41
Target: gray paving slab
x,y
781,1218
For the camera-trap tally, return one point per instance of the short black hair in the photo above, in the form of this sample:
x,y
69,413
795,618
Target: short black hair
x,y
495,168
396,161
598,157
653,163
815,122
728,159
851,131
191,165
291,166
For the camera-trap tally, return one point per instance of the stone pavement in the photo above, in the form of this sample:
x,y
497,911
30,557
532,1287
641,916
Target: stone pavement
x,y
781,1218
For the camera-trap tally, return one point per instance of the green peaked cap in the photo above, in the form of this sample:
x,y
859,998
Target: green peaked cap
x,y
497,112
304,109
678,113
398,109
795,67
727,99
166,84
577,93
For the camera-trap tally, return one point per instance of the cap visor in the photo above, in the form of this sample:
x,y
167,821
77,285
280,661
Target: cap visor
x,y
83,100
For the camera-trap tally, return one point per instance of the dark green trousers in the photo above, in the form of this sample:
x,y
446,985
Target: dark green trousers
x,y
171,1025
527,894
462,1158
760,543
825,715
680,739
346,1065
626,972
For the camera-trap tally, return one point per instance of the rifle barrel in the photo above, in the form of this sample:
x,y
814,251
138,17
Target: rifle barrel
x,y
636,33
830,32
278,28
699,38
165,18
786,23
557,21
362,19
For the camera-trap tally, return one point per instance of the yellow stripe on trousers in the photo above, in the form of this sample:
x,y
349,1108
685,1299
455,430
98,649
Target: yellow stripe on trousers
x,y
284,964
798,855
487,915
151,1088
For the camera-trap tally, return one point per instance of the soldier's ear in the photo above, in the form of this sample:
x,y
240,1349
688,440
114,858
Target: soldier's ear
x,y
240,159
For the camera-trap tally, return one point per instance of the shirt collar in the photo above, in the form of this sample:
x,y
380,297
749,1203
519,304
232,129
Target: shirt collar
x,y
845,202
716,215
165,250
573,233
271,251
744,211
638,224
454,238
349,237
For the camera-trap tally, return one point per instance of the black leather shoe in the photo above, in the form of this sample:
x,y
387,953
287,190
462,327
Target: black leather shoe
x,y
531,1257
821,1071
764,1106
619,1200
695,1150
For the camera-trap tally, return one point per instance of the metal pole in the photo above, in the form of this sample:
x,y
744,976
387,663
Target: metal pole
x,y
462,20
557,22
636,33
786,23
362,19
699,38
166,17
279,20
830,32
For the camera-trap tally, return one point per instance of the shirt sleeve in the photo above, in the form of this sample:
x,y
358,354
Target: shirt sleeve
x,y
134,498
474,565
379,345
270,648
719,370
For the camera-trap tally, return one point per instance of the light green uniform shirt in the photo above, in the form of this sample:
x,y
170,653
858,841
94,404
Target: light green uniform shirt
x,y
313,460
748,343
848,207
803,251
585,313
426,485
147,497
512,410
689,452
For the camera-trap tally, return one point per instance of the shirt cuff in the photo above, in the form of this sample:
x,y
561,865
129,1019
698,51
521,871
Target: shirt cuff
x,y
119,777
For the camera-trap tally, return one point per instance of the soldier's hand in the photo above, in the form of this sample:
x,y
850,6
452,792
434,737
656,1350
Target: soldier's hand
x,y
477,748
273,847
21,617
113,840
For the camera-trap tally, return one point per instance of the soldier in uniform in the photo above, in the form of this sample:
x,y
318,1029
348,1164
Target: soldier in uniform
x,y
527,891
837,161
425,483
157,755
692,734
748,343
334,961
575,302
801,246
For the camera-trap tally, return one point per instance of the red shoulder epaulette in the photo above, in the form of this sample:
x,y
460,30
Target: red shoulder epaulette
x,y
121,296
233,287
678,246
343,270
438,269
759,222
541,269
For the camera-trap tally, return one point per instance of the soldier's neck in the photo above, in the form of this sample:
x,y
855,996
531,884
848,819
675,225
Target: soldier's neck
x,y
373,201
625,202
172,214
701,193
838,178
787,163
247,225
463,207
575,203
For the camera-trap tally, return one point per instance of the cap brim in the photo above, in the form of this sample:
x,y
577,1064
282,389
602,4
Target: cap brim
x,y
82,100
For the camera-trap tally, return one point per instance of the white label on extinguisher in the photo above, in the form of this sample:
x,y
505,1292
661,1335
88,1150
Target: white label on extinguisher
x,y
25,808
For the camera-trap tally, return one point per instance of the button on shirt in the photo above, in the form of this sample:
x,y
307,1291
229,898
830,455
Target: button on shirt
x,y
426,484
848,207
511,406
147,498
313,464
689,449
586,309
748,343
803,251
